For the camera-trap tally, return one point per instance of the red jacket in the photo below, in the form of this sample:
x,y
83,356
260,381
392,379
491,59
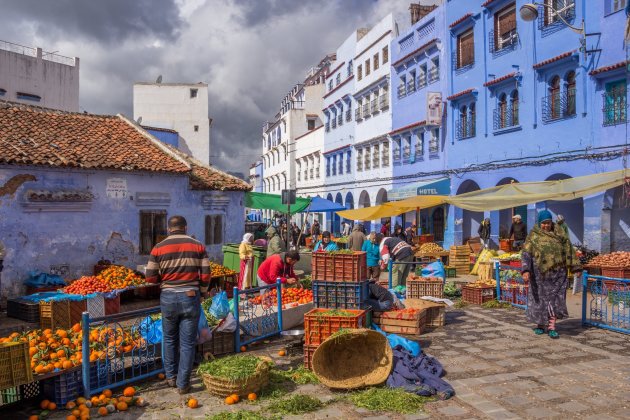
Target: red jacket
x,y
273,268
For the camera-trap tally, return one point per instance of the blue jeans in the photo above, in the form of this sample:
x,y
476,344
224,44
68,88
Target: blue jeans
x,y
379,306
180,321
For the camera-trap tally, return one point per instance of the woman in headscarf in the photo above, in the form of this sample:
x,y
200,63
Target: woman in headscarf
x,y
325,244
547,255
246,254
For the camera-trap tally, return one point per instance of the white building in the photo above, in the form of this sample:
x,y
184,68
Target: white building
x,y
182,107
35,77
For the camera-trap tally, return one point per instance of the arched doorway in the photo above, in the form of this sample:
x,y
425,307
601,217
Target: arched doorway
x,y
438,224
573,212
470,219
349,203
364,199
619,220
505,215
381,197
336,218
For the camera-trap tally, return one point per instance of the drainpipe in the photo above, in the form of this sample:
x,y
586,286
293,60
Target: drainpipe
x,y
583,63
535,74
485,72
450,84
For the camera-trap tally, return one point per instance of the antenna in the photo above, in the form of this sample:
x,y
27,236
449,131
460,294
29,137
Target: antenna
x,y
139,121
159,79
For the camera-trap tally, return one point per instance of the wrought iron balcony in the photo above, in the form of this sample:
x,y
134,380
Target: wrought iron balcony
x,y
366,109
505,118
434,146
374,106
340,120
334,122
316,172
615,107
383,101
359,164
422,81
558,106
327,127
501,45
357,114
465,129
463,63
547,18
349,115
411,86
402,91
434,74
375,161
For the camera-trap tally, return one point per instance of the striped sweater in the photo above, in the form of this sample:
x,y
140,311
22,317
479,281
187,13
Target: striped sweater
x,y
179,261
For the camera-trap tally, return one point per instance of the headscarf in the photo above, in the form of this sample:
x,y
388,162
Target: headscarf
x,y
247,238
550,250
544,215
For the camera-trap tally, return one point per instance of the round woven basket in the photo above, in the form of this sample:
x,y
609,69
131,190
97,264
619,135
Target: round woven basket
x,y
222,387
355,359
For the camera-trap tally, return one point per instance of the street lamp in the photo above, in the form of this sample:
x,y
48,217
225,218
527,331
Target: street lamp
x,y
529,13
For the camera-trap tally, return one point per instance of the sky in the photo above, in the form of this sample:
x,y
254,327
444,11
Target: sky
x,y
250,52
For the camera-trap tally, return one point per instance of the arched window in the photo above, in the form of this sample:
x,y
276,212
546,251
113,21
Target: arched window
x,y
473,119
463,121
503,110
570,87
514,108
554,98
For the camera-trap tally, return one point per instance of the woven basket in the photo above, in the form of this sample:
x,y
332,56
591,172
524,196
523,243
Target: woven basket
x,y
222,387
355,359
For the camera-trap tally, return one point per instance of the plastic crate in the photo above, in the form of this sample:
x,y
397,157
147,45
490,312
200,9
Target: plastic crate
x,y
330,294
15,365
23,309
339,267
61,314
477,295
616,272
220,343
64,387
19,394
308,355
433,286
450,272
515,264
318,326
99,306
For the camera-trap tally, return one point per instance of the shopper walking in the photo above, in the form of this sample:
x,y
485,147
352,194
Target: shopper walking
x,y
399,251
246,254
356,239
275,244
373,255
484,232
325,244
180,265
518,231
547,255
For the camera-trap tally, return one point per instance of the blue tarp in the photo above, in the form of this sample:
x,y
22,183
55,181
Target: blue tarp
x,y
320,205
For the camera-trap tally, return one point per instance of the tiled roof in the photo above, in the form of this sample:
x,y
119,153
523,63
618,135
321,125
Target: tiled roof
x,y
462,93
32,135
408,127
609,68
499,79
414,52
487,3
460,20
204,177
553,59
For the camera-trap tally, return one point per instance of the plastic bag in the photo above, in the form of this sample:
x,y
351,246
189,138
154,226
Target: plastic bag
x,y
435,269
220,306
228,324
39,279
396,340
150,330
204,333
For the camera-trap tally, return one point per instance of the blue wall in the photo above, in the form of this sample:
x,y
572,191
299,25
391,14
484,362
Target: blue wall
x,y
109,227
165,136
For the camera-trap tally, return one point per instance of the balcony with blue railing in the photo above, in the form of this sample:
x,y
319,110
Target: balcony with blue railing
x,y
327,127
615,107
462,63
349,115
422,81
334,123
558,106
340,120
503,43
505,119
434,74
411,86
465,129
549,21
402,90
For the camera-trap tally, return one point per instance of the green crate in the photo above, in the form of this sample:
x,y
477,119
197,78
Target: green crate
x,y
232,260
450,272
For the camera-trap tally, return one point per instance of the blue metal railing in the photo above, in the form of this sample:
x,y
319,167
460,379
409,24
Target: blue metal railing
x,y
118,366
510,288
606,303
257,321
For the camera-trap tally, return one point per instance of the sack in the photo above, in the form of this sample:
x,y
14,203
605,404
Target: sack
x,y
204,333
220,306
396,340
228,325
435,269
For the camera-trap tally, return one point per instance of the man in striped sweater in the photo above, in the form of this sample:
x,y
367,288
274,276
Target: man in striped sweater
x,y
180,264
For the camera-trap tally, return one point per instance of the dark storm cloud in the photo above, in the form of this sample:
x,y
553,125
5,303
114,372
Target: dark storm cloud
x,y
106,21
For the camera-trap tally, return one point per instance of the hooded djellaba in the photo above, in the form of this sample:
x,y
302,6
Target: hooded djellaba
x,y
547,256
275,245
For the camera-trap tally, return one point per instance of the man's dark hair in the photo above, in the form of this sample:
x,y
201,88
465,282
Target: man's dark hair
x,y
326,234
177,223
294,255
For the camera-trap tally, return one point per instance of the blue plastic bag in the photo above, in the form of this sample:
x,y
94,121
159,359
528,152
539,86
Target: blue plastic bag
x,y
151,330
204,333
220,306
39,279
396,340
435,269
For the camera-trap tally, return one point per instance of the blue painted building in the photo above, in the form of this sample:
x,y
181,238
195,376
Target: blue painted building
x,y
535,101
419,85
165,135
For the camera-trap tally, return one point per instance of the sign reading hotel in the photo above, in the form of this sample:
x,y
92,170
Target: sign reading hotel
x,y
434,108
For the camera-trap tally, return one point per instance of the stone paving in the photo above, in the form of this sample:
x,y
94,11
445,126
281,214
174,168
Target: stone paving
x,y
498,367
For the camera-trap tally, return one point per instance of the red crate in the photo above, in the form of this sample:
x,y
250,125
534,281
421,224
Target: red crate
x,y
318,326
339,267
505,245
112,306
593,270
516,264
616,272
477,295
308,356
432,286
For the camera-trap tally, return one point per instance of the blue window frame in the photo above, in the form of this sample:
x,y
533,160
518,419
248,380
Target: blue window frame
x,y
28,97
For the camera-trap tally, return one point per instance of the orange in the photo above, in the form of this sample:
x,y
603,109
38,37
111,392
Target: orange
x,y
33,417
94,400
282,353
229,401
243,348
129,391
85,416
252,397
103,411
161,376
52,406
235,397
122,406
44,404
107,393
193,403
70,405
76,412
71,417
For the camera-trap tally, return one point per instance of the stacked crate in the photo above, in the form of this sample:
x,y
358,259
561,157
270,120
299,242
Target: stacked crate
x,y
340,288
425,286
61,314
407,321
459,258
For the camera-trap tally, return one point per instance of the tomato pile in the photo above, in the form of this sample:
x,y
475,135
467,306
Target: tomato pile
x,y
119,277
292,295
87,285
217,270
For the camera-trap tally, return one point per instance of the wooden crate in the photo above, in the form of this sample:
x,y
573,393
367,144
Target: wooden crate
x,y
485,270
61,314
432,286
435,311
401,322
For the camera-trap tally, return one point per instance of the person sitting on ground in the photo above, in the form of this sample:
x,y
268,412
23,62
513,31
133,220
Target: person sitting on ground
x,y
325,244
278,266
380,299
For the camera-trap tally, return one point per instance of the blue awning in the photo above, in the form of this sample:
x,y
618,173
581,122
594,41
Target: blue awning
x,y
320,205
440,186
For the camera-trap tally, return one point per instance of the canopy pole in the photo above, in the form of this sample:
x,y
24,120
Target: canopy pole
x,y
302,230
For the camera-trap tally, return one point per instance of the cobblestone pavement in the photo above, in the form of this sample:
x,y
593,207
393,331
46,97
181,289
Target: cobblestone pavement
x,y
498,367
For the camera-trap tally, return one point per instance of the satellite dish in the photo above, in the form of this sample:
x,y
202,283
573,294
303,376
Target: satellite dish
x,y
159,79
139,120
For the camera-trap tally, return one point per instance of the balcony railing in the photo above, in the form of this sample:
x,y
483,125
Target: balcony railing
x,y
547,18
397,157
334,122
317,173
359,164
327,127
402,91
349,115
383,101
366,109
366,163
434,146
357,114
406,153
615,107
411,86
422,81
501,45
374,106
340,120
558,106
505,118
465,129
434,74
375,161
463,63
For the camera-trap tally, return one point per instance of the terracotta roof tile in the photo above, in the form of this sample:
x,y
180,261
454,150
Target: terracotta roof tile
x,y
462,93
460,20
487,3
609,68
553,59
414,52
408,127
32,135
499,79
